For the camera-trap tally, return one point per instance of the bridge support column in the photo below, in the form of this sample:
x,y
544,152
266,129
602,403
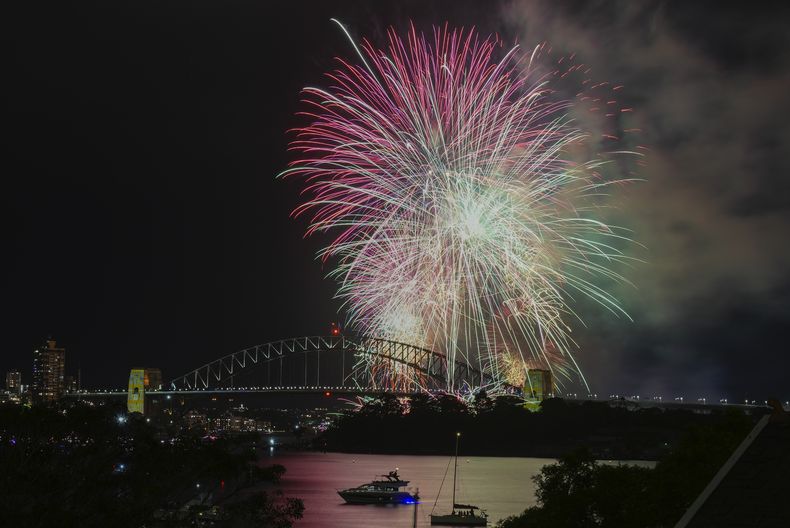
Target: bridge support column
x,y
135,402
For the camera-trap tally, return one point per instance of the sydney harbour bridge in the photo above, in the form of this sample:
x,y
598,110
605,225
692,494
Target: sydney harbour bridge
x,y
364,363
340,363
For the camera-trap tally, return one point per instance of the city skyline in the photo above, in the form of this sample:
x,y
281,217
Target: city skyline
x,y
152,231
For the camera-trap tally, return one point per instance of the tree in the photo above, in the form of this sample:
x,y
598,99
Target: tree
x,y
451,405
563,490
577,492
261,509
384,405
81,467
482,403
422,405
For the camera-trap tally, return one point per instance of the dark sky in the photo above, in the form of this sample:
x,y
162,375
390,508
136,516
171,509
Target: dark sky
x,y
142,223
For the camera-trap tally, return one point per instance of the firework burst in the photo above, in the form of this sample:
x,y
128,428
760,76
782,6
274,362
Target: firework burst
x,y
462,198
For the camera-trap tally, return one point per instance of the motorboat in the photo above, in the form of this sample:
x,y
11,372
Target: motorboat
x,y
384,490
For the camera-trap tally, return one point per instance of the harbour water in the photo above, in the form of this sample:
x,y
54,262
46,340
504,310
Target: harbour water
x,y
501,486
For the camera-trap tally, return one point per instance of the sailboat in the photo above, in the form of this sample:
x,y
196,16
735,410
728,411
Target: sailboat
x,y
462,514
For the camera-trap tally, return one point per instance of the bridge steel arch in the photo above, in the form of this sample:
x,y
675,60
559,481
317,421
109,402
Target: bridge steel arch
x,y
431,365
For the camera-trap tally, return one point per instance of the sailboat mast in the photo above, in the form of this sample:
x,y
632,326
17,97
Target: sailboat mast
x,y
455,468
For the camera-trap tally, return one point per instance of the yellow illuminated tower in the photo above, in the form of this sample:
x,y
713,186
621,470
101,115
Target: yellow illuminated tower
x,y
539,384
142,380
136,399
537,387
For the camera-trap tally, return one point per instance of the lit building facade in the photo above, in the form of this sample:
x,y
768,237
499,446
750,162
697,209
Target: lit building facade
x,y
13,381
71,384
49,367
229,423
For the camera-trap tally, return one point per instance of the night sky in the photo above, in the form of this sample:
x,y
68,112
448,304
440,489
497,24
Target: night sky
x,y
143,225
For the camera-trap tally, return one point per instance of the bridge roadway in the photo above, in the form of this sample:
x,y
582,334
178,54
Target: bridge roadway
x,y
251,390
339,390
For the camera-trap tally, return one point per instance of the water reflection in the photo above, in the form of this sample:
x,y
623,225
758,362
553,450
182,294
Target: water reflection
x,y
502,486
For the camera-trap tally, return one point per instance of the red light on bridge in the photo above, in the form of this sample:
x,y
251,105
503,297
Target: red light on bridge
x,y
327,394
335,329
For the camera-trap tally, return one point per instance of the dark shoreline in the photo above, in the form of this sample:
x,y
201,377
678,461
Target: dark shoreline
x,y
493,454
504,428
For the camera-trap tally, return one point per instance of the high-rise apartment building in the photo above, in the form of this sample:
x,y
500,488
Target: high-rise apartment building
x,y
49,366
13,381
